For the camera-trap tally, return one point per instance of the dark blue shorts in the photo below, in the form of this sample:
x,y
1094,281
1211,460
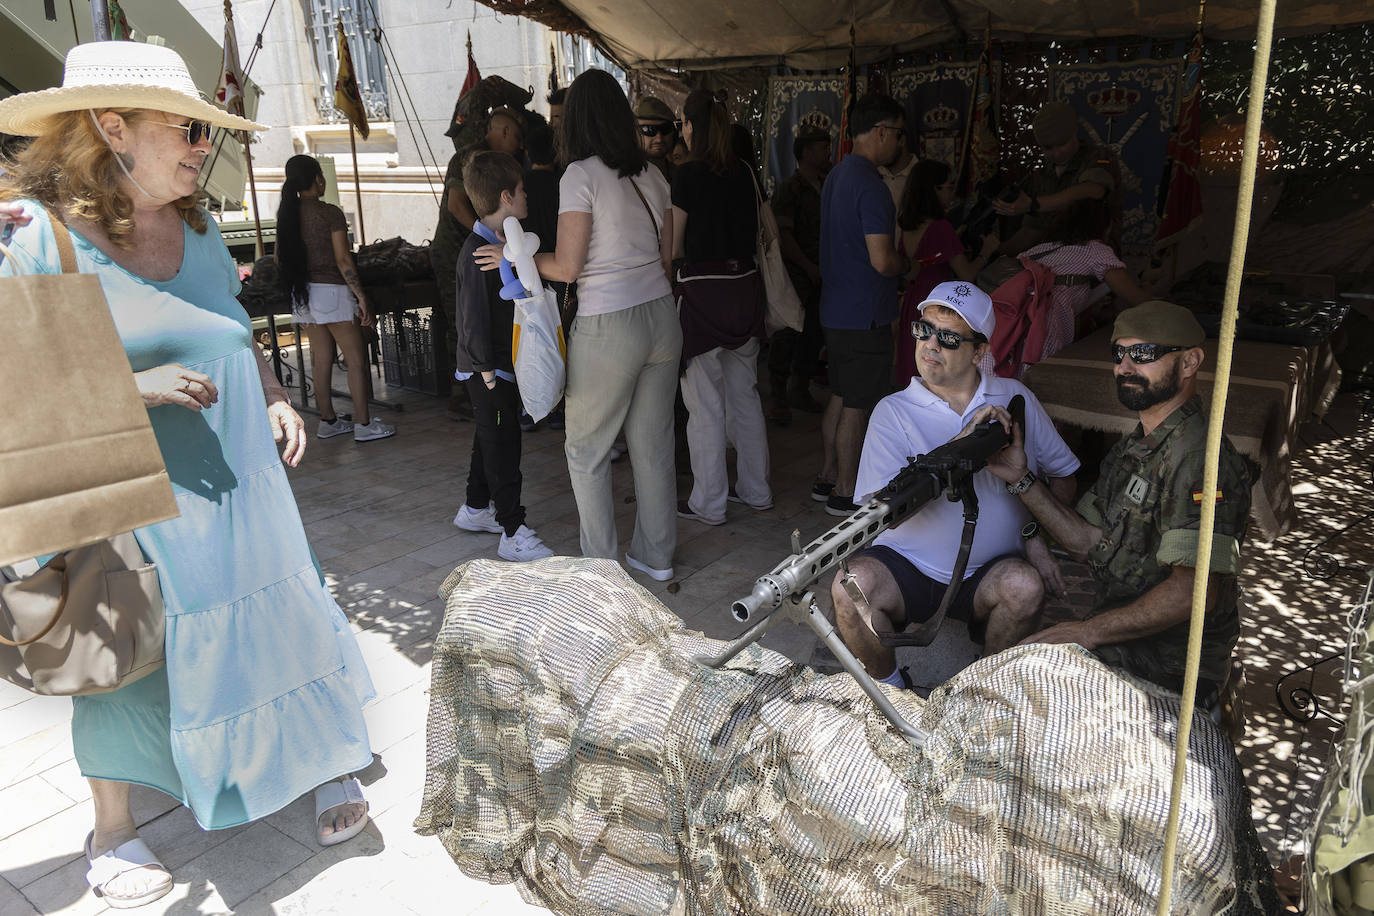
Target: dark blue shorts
x,y
921,595
860,365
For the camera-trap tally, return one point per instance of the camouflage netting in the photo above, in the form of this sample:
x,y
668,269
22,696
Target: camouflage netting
x,y
575,748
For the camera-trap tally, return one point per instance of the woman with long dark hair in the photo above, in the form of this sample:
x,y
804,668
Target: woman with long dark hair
x,y
720,299
937,255
615,239
317,272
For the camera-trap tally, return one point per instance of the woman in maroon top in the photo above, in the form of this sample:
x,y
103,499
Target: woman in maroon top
x,y
318,274
933,245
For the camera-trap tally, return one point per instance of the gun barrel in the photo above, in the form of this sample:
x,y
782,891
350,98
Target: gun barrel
x,y
767,594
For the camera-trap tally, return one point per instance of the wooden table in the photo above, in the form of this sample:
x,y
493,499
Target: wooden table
x,y
1273,389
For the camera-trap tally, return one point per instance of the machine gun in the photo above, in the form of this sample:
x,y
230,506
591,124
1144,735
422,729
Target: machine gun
x,y
978,216
786,592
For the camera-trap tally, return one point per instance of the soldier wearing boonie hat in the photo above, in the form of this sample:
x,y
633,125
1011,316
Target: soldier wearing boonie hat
x,y
657,131
1137,527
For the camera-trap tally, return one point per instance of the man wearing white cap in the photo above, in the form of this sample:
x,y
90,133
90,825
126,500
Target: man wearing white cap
x,y
905,574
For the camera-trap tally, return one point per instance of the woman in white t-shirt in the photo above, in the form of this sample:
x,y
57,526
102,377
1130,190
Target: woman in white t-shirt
x,y
615,240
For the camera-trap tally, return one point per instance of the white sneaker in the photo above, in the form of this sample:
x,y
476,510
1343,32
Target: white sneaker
x,y
374,430
524,545
658,575
470,519
337,428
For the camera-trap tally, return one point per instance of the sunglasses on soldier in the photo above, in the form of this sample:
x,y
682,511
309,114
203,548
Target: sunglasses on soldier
x,y
1142,352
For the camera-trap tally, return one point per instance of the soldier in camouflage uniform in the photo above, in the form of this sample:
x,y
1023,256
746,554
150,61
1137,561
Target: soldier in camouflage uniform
x,y
1071,172
1137,527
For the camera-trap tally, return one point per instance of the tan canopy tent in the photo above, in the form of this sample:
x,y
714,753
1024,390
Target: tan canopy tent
x,y
814,34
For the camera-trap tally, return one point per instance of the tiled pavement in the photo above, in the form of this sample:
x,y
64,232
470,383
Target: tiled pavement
x,y
379,518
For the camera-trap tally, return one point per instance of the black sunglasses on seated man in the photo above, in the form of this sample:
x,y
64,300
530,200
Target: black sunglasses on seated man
x,y
950,340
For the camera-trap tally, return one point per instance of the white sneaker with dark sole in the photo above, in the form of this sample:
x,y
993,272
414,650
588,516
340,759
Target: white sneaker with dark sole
x,y
470,519
658,575
374,430
522,546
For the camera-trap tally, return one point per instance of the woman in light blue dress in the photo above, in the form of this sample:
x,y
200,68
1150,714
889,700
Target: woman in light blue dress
x,y
261,697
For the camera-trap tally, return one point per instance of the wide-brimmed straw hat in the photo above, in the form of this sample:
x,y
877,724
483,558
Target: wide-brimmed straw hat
x,y
100,75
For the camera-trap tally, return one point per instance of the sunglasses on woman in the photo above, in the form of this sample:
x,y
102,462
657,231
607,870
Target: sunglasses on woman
x,y
1142,352
950,340
650,130
195,130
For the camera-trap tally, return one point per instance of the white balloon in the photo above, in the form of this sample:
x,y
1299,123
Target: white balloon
x,y
519,250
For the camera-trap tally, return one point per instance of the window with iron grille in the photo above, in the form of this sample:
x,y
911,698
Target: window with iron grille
x,y
363,30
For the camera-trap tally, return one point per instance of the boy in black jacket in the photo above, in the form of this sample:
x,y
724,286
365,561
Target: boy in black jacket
x,y
495,185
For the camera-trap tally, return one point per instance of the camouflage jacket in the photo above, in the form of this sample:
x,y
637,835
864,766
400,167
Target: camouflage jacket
x,y
1148,503
1090,163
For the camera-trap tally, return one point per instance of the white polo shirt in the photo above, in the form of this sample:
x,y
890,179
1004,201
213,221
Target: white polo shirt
x,y
915,421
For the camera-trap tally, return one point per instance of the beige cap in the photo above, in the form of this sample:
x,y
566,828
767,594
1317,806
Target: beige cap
x,y
1160,322
652,109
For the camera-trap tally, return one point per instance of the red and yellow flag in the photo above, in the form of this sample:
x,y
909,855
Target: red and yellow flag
x,y
1181,191
346,96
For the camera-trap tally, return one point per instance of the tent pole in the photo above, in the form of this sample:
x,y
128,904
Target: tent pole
x,y
1259,75
357,185
100,20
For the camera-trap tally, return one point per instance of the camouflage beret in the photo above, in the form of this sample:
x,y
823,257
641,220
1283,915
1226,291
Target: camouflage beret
x,y
1157,321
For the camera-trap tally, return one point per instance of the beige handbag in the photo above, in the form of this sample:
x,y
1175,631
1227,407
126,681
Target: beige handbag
x,y
784,305
78,465
89,621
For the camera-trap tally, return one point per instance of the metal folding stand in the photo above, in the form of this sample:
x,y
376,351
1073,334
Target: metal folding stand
x,y
805,611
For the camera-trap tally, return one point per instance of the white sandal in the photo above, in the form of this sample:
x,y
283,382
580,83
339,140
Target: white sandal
x,y
335,794
123,858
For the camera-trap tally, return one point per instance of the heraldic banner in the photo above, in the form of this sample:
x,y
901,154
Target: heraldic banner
x,y
1131,108
796,103
936,98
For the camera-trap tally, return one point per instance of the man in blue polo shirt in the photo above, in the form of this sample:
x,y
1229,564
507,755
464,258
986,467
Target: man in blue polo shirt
x,y
859,266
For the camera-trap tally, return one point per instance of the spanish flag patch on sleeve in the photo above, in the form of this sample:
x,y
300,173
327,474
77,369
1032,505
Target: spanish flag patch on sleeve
x,y
1197,496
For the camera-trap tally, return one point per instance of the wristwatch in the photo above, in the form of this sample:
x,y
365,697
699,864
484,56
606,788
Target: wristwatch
x,y
1030,529
1022,485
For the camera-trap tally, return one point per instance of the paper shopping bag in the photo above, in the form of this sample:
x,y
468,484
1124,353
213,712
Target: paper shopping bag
x,y
78,458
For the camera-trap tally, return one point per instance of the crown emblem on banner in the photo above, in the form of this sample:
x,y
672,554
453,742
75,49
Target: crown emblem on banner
x,y
1114,101
940,118
816,121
